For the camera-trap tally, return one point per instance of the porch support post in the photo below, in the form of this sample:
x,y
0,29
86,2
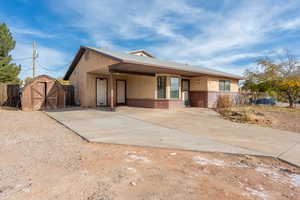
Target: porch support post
x,y
111,91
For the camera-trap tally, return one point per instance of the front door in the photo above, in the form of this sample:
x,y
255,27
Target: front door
x,y
121,92
101,91
186,91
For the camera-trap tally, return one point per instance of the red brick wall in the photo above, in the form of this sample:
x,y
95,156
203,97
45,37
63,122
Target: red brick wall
x,y
155,103
161,103
198,98
213,96
145,103
208,99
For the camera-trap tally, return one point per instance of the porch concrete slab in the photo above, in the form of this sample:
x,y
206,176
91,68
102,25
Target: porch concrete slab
x,y
155,136
189,129
292,155
207,123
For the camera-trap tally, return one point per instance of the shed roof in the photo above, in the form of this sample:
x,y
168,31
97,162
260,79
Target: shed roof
x,y
39,77
148,61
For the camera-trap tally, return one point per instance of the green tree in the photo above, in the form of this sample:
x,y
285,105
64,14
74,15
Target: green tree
x,y
8,71
254,84
281,77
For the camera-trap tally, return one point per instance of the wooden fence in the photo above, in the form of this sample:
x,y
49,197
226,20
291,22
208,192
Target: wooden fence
x,y
9,95
69,95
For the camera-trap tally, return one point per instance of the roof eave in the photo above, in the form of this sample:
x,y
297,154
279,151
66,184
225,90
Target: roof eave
x,y
79,53
104,54
236,77
74,63
82,49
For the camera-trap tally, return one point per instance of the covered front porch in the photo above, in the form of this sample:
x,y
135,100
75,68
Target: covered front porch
x,y
138,85
139,90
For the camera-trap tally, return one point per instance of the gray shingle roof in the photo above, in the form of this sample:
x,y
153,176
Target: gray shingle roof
x,y
143,60
162,63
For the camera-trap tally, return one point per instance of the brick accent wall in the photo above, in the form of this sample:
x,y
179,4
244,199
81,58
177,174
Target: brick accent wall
x,y
155,103
198,98
145,103
208,99
160,103
213,96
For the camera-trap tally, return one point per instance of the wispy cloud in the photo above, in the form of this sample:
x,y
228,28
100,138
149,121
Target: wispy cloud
x,y
50,61
224,60
290,24
128,20
30,32
182,31
226,35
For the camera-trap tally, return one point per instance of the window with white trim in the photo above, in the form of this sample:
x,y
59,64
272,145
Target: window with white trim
x,y
224,85
161,87
175,84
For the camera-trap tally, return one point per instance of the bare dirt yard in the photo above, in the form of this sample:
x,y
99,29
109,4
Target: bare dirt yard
x,y
40,159
268,116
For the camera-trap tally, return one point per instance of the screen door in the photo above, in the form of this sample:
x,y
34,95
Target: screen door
x,y
101,92
121,91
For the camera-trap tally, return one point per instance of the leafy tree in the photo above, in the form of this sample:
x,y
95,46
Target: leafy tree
x,y
283,76
280,77
8,71
254,84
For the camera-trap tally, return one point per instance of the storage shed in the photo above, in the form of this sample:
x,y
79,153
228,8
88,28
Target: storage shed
x,y
42,93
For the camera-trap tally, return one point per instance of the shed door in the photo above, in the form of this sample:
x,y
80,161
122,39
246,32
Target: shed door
x,y
101,92
38,91
51,95
121,91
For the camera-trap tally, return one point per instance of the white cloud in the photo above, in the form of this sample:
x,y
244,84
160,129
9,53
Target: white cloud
x,y
111,19
221,60
290,24
242,27
182,32
31,32
50,61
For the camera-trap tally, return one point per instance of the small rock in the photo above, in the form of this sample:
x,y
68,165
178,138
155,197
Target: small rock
x,y
133,183
131,169
173,154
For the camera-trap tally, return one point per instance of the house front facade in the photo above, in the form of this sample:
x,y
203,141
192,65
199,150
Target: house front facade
x,y
103,77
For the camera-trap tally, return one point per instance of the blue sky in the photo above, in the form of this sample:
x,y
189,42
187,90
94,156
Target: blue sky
x,y
227,35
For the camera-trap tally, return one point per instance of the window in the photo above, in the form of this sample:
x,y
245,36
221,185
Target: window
x,y
174,93
161,87
224,85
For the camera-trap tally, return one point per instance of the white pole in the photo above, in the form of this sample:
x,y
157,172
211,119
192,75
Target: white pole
x,y
34,55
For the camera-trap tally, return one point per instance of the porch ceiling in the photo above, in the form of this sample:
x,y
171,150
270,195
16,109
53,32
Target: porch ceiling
x,y
149,70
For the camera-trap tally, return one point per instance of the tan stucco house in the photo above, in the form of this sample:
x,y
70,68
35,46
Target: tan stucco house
x,y
103,77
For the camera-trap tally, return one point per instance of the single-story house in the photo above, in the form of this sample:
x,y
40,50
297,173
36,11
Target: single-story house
x,y
103,77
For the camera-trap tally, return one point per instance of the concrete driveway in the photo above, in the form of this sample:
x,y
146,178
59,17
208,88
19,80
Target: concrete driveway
x,y
190,129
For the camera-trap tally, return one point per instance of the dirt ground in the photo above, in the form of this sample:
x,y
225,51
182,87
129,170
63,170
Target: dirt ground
x,y
277,117
40,159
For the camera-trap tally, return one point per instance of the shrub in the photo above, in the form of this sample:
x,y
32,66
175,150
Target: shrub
x,y
249,117
224,101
